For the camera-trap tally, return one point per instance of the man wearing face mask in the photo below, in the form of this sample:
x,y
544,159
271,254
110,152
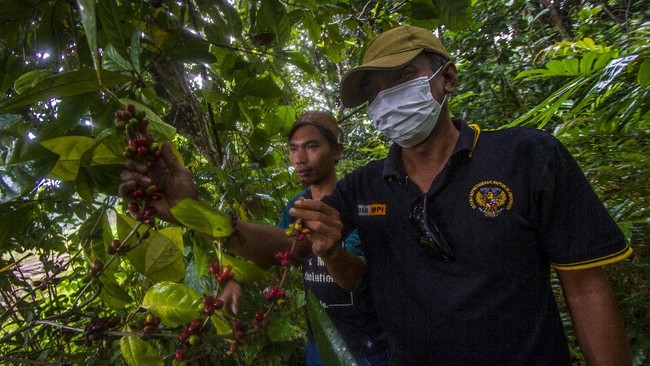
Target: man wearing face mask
x,y
460,228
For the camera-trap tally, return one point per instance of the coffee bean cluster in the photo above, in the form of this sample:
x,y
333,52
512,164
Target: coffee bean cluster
x,y
221,273
187,338
297,231
274,294
94,330
284,258
140,146
150,326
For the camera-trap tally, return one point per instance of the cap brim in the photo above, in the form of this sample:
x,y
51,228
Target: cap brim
x,y
351,91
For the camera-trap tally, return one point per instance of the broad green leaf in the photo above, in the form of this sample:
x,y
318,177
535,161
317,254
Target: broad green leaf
x,y
159,257
70,112
89,22
83,186
187,46
263,87
571,65
332,348
283,330
70,149
202,255
137,352
221,325
200,217
334,44
272,18
113,294
175,304
103,155
9,120
644,73
135,50
113,26
114,61
29,79
164,256
14,221
587,61
300,60
455,14
245,272
62,85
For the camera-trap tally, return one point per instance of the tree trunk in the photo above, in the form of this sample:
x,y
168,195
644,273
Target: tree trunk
x,y
556,19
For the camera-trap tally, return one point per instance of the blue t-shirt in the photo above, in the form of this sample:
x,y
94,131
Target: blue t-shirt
x,y
351,312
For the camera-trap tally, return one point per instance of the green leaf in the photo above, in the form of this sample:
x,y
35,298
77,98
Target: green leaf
x,y
137,352
332,348
14,221
113,26
300,60
198,216
164,256
29,79
644,73
202,257
175,304
70,149
263,87
62,85
283,329
159,257
89,22
221,325
272,17
113,294
135,50
103,155
245,272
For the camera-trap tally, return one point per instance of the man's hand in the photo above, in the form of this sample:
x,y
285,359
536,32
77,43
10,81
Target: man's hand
x,y
168,174
230,295
324,225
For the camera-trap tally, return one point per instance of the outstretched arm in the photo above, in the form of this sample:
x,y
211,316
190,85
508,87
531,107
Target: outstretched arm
x,y
596,319
255,242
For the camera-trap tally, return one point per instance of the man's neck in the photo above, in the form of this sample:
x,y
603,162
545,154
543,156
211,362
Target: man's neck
x,y
422,163
323,187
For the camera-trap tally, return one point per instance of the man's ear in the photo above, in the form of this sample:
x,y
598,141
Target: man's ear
x,y
338,152
450,73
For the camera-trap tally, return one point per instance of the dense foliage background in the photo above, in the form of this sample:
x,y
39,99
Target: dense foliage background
x,y
225,80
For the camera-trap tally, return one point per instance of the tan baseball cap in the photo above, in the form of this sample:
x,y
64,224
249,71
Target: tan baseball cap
x,y
390,50
323,119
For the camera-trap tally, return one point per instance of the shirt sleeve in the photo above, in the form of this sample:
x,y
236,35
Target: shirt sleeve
x,y
285,218
576,229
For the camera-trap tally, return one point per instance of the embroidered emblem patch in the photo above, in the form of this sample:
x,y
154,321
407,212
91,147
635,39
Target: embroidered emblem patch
x,y
490,197
376,209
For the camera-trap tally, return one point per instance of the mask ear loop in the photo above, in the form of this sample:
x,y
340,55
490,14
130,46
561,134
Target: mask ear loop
x,y
435,73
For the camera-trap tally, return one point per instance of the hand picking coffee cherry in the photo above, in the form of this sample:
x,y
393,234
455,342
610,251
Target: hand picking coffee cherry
x,y
142,148
297,231
225,274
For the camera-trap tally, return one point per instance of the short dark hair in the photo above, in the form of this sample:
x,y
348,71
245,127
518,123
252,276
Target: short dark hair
x,y
437,60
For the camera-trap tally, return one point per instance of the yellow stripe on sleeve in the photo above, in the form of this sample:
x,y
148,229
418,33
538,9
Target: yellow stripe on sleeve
x,y
612,258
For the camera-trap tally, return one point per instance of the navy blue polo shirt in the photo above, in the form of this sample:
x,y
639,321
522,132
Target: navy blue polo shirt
x,y
511,203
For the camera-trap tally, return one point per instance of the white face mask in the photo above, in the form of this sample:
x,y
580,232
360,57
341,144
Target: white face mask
x,y
406,113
